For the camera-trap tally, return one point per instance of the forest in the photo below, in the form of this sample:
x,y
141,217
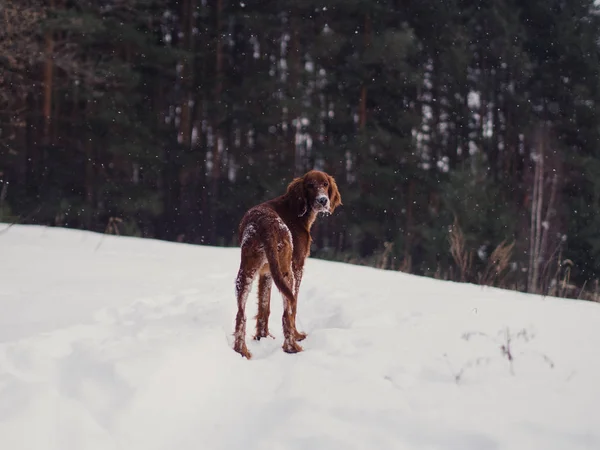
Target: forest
x,y
463,134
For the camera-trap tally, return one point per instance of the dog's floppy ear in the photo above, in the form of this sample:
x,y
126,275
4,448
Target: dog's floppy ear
x,y
335,199
296,193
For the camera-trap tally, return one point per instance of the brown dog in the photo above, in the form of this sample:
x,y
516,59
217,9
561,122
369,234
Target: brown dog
x,y
275,241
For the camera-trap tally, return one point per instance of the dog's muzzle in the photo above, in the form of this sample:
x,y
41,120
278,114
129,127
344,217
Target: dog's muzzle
x,y
322,202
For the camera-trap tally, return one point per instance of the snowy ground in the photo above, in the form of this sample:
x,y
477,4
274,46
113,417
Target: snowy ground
x,y
119,343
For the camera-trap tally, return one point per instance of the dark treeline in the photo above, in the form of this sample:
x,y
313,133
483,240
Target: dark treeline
x,y
463,134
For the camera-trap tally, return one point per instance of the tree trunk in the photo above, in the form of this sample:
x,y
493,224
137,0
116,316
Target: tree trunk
x,y
294,90
363,91
89,182
496,130
187,25
218,140
408,237
536,215
32,181
48,79
90,157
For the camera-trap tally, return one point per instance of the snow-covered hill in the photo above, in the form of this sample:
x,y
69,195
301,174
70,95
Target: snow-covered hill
x,y
121,343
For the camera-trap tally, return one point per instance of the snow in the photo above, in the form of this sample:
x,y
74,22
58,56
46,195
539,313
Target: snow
x,y
119,343
249,232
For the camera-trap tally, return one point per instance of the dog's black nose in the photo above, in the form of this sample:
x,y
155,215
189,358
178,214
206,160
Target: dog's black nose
x,y
322,200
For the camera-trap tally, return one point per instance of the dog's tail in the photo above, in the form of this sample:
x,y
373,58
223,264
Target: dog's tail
x,y
276,273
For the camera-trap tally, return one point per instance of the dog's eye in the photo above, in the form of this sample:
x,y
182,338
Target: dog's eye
x,y
326,184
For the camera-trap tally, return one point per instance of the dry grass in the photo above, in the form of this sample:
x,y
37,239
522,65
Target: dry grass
x,y
497,265
112,227
497,271
462,257
385,255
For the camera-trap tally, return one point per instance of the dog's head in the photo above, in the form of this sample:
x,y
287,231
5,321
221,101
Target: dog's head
x,y
314,191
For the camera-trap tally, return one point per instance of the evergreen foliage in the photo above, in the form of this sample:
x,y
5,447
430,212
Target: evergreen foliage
x,y
176,115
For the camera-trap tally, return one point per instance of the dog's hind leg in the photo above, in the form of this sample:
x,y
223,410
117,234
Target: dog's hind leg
x,y
289,307
243,284
297,271
265,281
288,321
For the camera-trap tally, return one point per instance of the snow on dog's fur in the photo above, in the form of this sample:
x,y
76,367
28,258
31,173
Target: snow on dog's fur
x,y
275,242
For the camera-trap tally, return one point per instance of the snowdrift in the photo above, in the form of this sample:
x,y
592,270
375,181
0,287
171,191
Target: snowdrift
x,y
120,343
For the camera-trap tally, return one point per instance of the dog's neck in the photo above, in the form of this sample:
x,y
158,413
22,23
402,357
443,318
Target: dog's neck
x,y
309,218
306,220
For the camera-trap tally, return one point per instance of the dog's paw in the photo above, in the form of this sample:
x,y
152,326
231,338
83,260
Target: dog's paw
x,y
299,336
291,346
262,334
241,348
